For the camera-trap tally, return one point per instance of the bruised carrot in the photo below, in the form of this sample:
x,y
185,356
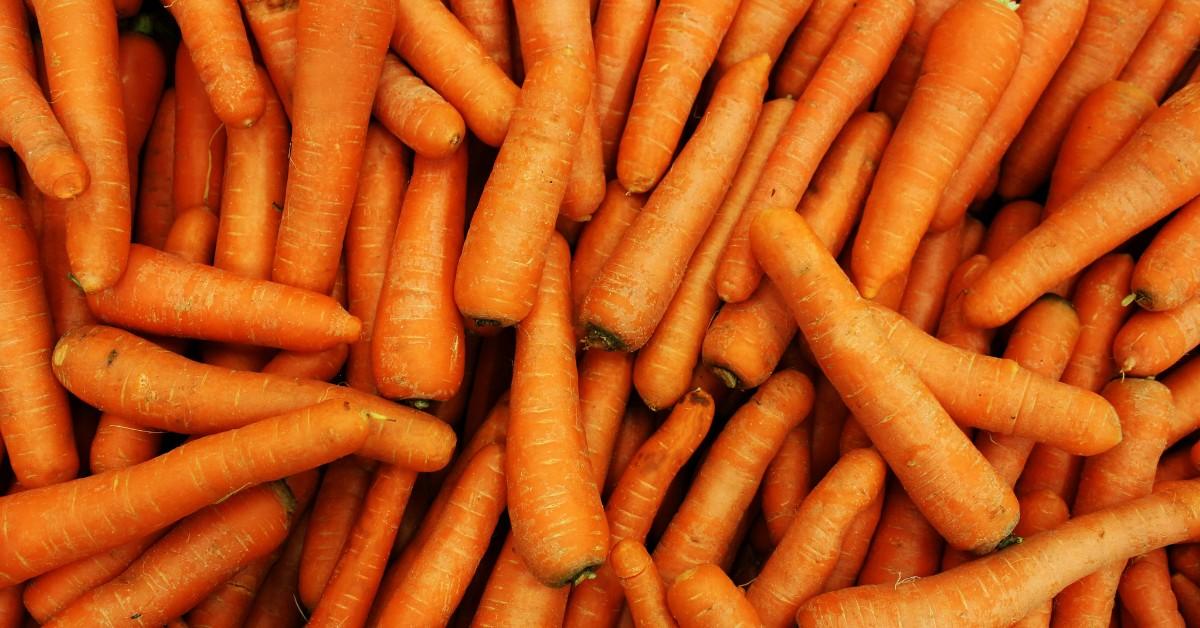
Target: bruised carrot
x,y
418,345
600,237
335,511
489,22
705,596
503,253
156,183
1145,591
644,589
1010,224
905,546
1150,342
94,363
416,114
201,140
787,481
933,262
620,34
900,82
605,380
1164,50
809,44
273,23
759,26
628,297
193,235
1165,277
515,597
275,604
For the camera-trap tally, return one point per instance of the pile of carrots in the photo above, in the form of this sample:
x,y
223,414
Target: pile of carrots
x,y
528,313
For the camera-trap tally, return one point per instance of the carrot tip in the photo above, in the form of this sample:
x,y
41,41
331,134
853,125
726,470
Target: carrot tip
x,y
420,404
69,185
727,377
595,336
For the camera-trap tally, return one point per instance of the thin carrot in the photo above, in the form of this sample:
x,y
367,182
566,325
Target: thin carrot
x,y
636,427
787,481
808,47
1150,342
514,597
1164,50
193,235
1185,558
415,113
201,140
829,415
1165,277
334,512
600,237
155,208
620,33
143,68
1050,28
1184,383
972,238
850,70
934,261
644,589
759,26
855,547
704,596
489,22
95,362
418,344
451,59
1041,511
493,373
212,31
1110,33
273,23
628,297
1145,591
682,46
502,256
1010,224
275,604
1188,596
605,381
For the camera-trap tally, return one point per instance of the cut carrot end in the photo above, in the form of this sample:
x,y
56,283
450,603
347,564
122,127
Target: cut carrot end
x,y
597,337
727,377
69,185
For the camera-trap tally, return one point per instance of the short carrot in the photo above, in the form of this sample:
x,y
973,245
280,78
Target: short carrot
x,y
600,236
704,596
645,592
1164,49
788,480
932,264
1145,591
1150,342
193,235
490,22
620,33
155,208
335,510
759,26
273,24
809,45
1010,224
415,113
605,381
201,140
1165,277
213,33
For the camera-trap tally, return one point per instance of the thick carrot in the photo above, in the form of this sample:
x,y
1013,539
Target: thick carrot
x,y
201,140
273,23
605,381
193,235
1110,33
337,506
1150,342
620,34
682,46
704,596
1165,276
275,604
212,31
600,237
664,364
489,22
418,344
515,597
503,253
855,547
899,84
787,481
809,45
703,528
850,70
1049,29
1124,473
1105,121
194,558
644,589
1041,511
1145,591
905,545
1010,224
759,26
1165,48
629,297
96,362
156,184
958,88
454,63
951,484
85,89
934,261
805,557
415,113
143,68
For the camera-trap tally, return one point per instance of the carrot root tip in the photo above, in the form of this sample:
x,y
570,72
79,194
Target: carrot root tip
x,y
595,336
727,377
69,185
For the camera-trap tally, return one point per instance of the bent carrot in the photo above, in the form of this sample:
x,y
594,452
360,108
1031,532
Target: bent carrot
x,y
213,33
156,184
644,589
488,21
415,113
335,511
201,140
812,40
1145,591
1165,277
705,596
759,26
1150,342
620,33
1164,50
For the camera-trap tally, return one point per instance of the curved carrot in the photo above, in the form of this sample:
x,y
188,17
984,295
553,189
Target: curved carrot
x,y
94,363
201,140
1010,224
628,297
705,596
899,84
811,42
1165,276
451,59
502,255
335,510
143,68
275,604
1145,591
193,235
759,26
156,183
489,22
645,592
273,23
958,89
600,237
1110,32
1049,29
788,480
933,262
954,486
682,47
213,33
416,114
1041,511
1164,50
620,34
845,78
514,597
605,380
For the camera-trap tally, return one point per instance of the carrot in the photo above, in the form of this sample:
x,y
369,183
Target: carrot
x,y
605,380
836,311
746,340
1163,278
1108,37
418,341
1176,465
682,46
702,530
515,597
1185,558
958,88
275,605
644,589
488,21
846,76
120,442
600,236
628,297
1041,511
1050,28
95,362
972,238
1105,121
1124,473
81,38
899,84
810,43
416,114
1164,50
787,481
620,34
194,558
493,373
193,235
29,125
143,69
636,427
905,546
1150,342
201,140
335,511
1184,383
467,77
828,417
1010,224
664,364
638,494
502,255
1188,596
229,604
12,614
213,32
759,26
813,541
1145,591
934,261
705,596
155,209
854,548
273,23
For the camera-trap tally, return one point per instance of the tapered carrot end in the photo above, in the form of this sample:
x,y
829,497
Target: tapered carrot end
x,y
349,328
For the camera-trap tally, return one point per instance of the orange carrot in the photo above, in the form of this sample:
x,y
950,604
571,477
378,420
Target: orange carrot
x,y
95,362
644,589
952,483
899,84
905,546
493,373
934,261
620,33
702,530
229,604
682,46
201,140
1185,558
155,209
193,235
628,297
1110,32
12,614
746,340
1176,465
1050,29
600,237
846,76
416,114
1184,383
514,597
704,596
213,33
855,547
334,512
143,68
972,238
759,26
636,427
488,21
605,379
418,344
1188,596
1150,342
787,481
273,23
1165,277
503,253
1041,511
120,442
275,604
664,365
477,87
958,89
809,45
1164,50
1010,224
829,415
1145,591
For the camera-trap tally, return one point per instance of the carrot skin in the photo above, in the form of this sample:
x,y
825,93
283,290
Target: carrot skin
x,y
605,381
415,113
193,235
1145,592
704,596
1164,50
898,85
600,237
273,25
275,604
809,44
644,589
156,184
213,31
620,33
489,21
120,442
1187,595
514,597
759,26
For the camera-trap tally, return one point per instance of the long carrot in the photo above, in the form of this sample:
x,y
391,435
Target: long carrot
x,y
933,262
952,484
1165,277
334,512
629,297
1049,29
201,140
95,362
620,33
1164,49
704,596
788,480
759,26
502,255
808,47
605,381
1041,511
1010,224
156,184
515,597
1108,37
682,46
273,23
846,76
600,237
415,113
1150,342
451,59
489,21
1145,591
213,33
143,68
644,589
899,83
